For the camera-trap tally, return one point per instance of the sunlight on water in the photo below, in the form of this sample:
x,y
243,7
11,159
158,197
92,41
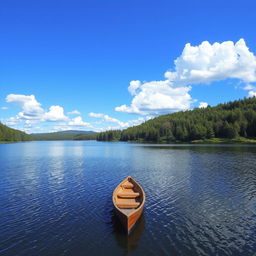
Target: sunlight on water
x,y
56,199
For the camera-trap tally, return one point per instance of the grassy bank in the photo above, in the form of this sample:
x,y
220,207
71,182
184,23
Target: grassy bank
x,y
225,141
7,142
238,140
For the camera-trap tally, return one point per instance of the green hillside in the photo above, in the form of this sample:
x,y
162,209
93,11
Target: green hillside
x,y
8,134
64,136
234,121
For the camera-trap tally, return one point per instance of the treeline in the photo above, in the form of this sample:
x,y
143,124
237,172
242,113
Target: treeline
x,y
64,136
230,120
86,136
8,134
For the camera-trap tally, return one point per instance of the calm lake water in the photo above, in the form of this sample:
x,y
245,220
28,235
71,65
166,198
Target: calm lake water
x,y
55,199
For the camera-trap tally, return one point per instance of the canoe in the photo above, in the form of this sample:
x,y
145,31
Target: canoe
x,y
129,199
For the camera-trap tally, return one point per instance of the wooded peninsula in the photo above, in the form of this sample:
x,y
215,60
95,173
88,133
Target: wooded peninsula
x,y
8,134
231,122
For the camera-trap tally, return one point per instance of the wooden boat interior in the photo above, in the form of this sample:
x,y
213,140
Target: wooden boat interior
x,y
128,196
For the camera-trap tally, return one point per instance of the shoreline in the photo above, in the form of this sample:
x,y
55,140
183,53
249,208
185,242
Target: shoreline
x,y
239,140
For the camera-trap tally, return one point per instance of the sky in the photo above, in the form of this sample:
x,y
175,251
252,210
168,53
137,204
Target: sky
x,y
100,65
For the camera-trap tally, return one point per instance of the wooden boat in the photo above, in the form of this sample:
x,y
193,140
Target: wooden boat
x,y
129,199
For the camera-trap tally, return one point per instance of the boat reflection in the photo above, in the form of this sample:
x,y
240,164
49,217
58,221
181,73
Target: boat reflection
x,y
131,241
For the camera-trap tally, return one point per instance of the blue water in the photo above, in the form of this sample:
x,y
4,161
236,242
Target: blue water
x,y
55,199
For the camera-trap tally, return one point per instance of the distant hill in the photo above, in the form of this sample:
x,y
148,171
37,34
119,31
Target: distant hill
x,y
76,131
233,120
65,135
8,134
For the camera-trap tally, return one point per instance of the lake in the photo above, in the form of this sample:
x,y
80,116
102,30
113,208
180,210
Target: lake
x,y
56,198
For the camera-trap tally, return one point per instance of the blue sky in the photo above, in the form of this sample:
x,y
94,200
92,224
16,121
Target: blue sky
x,y
97,65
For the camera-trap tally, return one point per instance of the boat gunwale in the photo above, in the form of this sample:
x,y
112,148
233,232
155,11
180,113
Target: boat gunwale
x,y
133,210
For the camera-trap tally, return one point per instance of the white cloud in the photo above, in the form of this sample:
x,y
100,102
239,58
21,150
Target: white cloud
x,y
106,118
204,63
134,85
4,108
158,97
32,113
119,124
12,121
56,113
249,87
203,105
214,62
37,129
31,108
74,112
252,90
137,121
252,94
78,121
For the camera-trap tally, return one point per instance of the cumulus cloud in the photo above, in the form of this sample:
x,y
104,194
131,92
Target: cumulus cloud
x,y
119,124
56,113
200,64
74,112
203,105
78,121
214,62
32,110
158,97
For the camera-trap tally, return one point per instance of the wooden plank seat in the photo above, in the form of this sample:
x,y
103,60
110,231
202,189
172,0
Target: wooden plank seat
x,y
127,184
128,205
128,195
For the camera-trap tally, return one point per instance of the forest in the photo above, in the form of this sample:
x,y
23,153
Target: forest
x,y
231,120
8,134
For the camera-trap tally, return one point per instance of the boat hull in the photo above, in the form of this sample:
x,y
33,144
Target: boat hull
x,y
128,222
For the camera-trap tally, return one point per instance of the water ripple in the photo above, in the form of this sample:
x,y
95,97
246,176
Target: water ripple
x,y
56,199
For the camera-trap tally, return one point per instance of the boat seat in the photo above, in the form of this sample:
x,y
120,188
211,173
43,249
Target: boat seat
x,y
128,205
128,195
127,184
